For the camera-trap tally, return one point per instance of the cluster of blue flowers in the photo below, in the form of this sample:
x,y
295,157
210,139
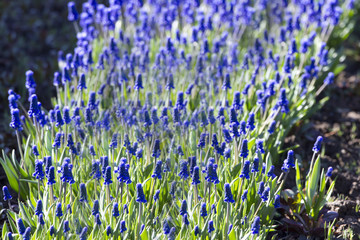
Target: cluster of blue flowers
x,y
174,99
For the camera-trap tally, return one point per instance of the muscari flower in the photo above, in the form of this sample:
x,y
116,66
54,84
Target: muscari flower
x,y
196,230
265,194
228,194
184,173
166,227
66,226
271,173
72,12
244,152
329,172
183,208
255,227
39,207
58,211
211,226
83,192
156,195
157,170
156,151
211,173
51,176
95,170
39,173
255,166
6,193
27,234
97,219
30,82
196,176
260,145
108,230
261,188
317,145
15,120
41,219
185,219
140,196
203,211
122,226
115,210
83,234
246,170
272,127
107,176
251,121
277,201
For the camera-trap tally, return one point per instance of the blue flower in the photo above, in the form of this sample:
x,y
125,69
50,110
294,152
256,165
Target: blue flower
x,y
108,177
317,145
97,219
203,211
271,173
183,208
261,188
227,136
66,226
92,150
57,140
6,193
265,194
39,207
95,170
72,12
251,121
123,172
67,118
211,226
51,176
173,189
290,158
260,145
92,104
184,173
113,144
122,226
52,230
213,209
185,219
34,110
172,234
329,78
30,82
95,209
180,151
180,103
283,102
226,84
197,230
202,140
58,211
82,82
27,234
243,127
83,234
196,176
39,172
15,120
244,152
156,150
255,166
329,172
83,193
255,227
157,170
211,116
211,173
228,194
272,127
108,230
156,195
115,210
21,226
59,119
234,130
140,196
166,227
246,170
138,83
41,219
244,196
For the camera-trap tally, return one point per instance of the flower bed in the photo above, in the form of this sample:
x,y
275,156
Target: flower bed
x,y
169,118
